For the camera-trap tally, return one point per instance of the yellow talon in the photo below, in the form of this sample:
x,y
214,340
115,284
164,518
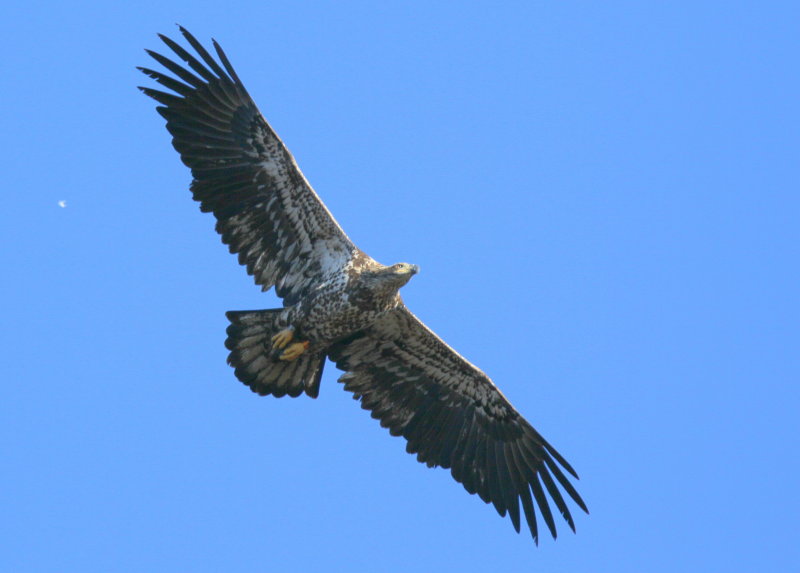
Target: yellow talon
x,y
294,350
283,338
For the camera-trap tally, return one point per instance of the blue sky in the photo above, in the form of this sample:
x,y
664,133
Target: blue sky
x,y
603,198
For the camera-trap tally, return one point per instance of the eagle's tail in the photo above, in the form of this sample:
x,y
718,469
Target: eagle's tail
x,y
257,364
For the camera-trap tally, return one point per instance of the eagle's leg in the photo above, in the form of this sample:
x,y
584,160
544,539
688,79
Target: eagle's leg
x,y
283,338
294,350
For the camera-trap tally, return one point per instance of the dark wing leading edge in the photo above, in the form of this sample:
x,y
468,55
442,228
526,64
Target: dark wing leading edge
x,y
266,210
453,416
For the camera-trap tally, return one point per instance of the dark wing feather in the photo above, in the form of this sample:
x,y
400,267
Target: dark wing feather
x,y
453,416
266,211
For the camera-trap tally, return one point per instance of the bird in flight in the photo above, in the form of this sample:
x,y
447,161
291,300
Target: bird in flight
x,y
340,304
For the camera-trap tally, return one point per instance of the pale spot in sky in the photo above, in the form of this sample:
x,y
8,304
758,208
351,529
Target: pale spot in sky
x,y
62,203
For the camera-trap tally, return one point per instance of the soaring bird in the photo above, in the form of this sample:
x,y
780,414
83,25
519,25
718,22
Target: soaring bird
x,y
340,304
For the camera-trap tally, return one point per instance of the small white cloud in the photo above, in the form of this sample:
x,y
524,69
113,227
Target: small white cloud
x,y
62,203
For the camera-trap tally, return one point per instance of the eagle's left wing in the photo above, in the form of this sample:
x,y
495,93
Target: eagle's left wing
x,y
453,416
266,210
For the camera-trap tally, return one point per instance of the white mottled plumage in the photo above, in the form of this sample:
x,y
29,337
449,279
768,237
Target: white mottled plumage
x,y
342,302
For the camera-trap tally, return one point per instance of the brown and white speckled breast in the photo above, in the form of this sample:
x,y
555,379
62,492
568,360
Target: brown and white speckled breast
x,y
341,305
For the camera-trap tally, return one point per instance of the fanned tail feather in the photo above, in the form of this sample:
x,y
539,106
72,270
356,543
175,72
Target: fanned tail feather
x,y
256,363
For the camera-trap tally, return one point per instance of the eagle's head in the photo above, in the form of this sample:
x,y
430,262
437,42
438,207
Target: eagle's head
x,y
395,276
403,272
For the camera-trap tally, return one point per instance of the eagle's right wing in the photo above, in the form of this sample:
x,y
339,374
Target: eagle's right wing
x,y
266,210
453,416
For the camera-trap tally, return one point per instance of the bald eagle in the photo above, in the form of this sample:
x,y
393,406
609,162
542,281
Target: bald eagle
x,y
340,304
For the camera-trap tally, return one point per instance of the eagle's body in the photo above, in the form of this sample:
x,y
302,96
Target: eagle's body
x,y
340,304
345,302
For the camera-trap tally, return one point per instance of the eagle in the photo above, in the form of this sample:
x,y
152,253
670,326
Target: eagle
x,y
340,304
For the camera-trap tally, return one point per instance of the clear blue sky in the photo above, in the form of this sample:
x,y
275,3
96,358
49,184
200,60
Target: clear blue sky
x,y
603,198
